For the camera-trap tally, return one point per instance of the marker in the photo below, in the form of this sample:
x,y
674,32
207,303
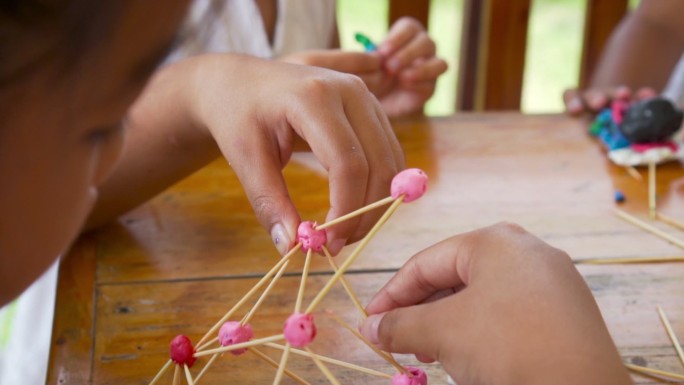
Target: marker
x,y
367,43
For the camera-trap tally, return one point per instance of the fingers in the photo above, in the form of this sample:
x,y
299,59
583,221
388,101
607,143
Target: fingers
x,y
424,70
354,141
406,41
342,61
409,330
266,189
384,159
574,104
435,269
595,99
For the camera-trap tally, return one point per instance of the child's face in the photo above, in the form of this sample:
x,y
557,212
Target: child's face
x,y
61,135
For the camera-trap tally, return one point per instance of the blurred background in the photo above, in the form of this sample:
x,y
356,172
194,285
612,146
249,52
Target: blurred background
x,y
552,61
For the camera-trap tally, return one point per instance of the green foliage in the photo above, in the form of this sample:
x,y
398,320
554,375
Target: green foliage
x,y
553,46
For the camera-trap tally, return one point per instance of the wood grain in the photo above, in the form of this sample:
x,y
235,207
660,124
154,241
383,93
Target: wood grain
x,y
177,263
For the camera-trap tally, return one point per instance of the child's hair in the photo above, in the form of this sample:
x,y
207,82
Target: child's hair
x,y
59,32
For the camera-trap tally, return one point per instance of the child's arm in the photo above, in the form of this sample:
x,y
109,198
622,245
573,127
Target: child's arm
x,y
496,306
255,112
638,59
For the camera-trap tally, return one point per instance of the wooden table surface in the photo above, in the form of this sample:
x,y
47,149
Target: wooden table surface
x,y
176,264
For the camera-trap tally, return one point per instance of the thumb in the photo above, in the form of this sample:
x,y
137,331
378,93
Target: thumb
x,y
405,330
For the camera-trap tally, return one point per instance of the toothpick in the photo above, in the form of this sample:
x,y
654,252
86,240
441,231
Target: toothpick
x,y
242,345
328,374
188,376
250,293
643,369
634,173
607,261
161,372
282,365
652,190
651,229
352,257
670,221
386,356
207,344
206,367
333,361
302,283
352,214
263,296
345,284
176,375
671,333
273,363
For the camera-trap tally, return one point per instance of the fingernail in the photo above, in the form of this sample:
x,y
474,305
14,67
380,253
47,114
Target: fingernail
x,y
369,327
280,238
597,101
575,105
393,65
335,246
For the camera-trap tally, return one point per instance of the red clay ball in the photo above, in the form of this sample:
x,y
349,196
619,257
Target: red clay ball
x,y
181,351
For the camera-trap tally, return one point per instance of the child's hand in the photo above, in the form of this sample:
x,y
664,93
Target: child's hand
x,y
258,110
593,100
409,57
496,306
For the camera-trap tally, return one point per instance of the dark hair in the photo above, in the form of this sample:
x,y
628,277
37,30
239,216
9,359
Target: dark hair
x,y
59,32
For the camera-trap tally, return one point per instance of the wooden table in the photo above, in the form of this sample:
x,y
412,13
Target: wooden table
x,y
176,264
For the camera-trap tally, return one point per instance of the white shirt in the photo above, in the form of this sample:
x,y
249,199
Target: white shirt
x,y
236,26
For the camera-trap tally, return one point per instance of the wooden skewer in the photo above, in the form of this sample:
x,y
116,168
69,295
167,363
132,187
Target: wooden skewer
x,y
352,257
302,283
671,333
345,284
643,369
352,214
176,375
242,345
282,365
651,229
161,372
386,356
188,376
670,221
328,374
652,190
273,363
607,261
263,296
634,173
206,367
250,293
333,361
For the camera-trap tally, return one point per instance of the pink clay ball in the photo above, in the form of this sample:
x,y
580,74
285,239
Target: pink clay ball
x,y
417,377
181,351
411,183
300,329
232,332
310,238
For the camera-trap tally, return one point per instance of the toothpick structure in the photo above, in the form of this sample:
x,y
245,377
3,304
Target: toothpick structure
x,y
299,330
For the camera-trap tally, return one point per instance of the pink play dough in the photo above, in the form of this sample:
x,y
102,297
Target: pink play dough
x,y
181,351
232,332
418,377
300,329
411,183
311,238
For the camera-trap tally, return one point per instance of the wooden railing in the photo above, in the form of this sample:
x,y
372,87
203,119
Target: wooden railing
x,y
494,42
